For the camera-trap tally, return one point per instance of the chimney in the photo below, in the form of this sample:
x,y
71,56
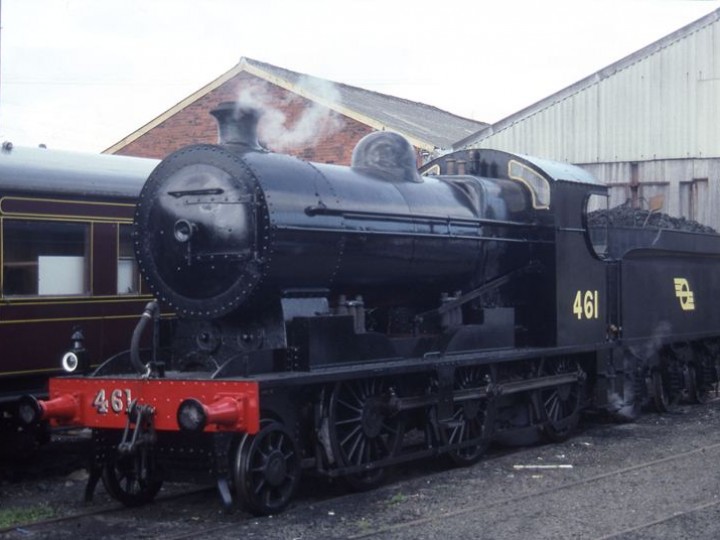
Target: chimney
x,y
237,125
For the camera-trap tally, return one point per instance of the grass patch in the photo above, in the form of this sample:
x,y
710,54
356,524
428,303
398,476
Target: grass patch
x,y
363,524
10,517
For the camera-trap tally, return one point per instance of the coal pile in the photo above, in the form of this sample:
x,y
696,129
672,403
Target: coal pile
x,y
626,216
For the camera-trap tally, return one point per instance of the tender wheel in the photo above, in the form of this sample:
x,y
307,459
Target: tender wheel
x,y
660,393
267,469
363,429
132,479
560,405
471,422
695,388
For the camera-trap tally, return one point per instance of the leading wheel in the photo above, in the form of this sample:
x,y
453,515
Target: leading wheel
x,y
471,421
560,405
363,429
267,469
132,479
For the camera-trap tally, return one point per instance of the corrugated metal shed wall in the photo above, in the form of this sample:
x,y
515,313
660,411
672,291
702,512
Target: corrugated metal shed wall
x,y
673,178
657,104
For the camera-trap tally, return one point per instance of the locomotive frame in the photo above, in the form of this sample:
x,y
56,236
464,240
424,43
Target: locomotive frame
x,y
490,310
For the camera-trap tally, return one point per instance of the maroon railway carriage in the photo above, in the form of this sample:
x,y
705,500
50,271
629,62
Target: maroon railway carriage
x,y
67,266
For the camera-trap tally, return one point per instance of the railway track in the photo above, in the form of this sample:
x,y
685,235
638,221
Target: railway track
x,y
640,528
607,482
578,485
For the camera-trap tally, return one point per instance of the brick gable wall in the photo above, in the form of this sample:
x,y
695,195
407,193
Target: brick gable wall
x,y
331,138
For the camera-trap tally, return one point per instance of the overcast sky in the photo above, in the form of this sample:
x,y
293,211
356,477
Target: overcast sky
x,y
83,74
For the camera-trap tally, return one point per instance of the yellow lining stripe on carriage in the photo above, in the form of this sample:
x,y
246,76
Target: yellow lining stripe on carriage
x,y
56,216
69,319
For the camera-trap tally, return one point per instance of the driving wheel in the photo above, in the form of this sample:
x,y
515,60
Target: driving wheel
x,y
364,429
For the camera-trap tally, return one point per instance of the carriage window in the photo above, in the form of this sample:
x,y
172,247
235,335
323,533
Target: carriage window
x,y
45,258
128,280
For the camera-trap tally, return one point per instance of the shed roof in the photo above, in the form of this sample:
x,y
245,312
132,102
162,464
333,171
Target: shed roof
x,y
425,126
591,80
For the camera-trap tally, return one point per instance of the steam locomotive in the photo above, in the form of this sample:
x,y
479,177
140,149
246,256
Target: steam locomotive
x,y
66,268
340,320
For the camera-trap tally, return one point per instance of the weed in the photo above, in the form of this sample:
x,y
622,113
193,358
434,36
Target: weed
x,y
16,516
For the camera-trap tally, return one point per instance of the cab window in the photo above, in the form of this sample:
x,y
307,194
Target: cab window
x,y
596,224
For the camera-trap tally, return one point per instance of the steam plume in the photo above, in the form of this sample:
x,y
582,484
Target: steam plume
x,y
315,120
